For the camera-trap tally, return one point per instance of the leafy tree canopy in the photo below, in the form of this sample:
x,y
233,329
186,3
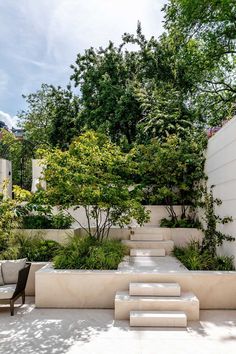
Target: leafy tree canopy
x,y
51,118
96,174
204,36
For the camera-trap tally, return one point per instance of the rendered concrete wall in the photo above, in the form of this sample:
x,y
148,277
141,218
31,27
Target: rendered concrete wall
x,y
180,236
30,286
58,235
221,171
6,174
158,212
37,175
97,289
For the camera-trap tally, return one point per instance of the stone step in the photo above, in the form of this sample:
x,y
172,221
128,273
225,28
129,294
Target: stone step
x,y
167,245
158,319
186,302
155,289
146,237
145,252
146,230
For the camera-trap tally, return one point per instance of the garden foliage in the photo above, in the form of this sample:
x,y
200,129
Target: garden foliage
x,y
90,253
95,174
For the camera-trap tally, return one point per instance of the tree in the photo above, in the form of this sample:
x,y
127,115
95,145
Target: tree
x,y
20,153
96,175
204,33
107,81
52,116
172,171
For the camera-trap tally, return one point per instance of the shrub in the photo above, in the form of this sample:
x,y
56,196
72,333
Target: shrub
x,y
194,259
189,223
61,221
58,221
36,222
90,253
33,248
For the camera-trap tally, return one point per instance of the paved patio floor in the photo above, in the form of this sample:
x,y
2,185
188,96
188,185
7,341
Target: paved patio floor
x,y
75,331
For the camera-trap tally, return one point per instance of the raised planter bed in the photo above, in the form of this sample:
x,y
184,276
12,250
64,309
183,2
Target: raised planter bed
x,y
30,286
97,289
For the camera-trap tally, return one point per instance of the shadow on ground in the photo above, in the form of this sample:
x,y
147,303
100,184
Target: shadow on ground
x,y
47,331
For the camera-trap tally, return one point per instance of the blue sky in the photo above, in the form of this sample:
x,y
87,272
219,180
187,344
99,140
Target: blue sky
x,y
40,39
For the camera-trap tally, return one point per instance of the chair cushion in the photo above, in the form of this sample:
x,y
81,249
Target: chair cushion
x,y
10,270
6,291
1,278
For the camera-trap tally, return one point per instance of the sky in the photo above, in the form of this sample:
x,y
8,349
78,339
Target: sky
x,y
40,39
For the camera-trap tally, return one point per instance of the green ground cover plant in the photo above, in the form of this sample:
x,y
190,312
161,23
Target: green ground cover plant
x,y
185,223
203,256
90,253
194,259
34,248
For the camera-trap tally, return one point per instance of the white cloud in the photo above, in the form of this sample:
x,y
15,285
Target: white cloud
x,y
6,118
40,39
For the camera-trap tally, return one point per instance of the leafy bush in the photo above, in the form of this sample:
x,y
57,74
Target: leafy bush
x,y
194,259
90,253
58,221
189,223
33,248
36,222
61,221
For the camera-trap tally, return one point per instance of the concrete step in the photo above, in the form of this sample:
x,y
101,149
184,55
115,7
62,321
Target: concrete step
x,y
145,252
186,302
146,237
154,289
158,319
146,230
167,245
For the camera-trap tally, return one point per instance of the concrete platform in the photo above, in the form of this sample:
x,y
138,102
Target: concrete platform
x,y
168,245
73,331
146,237
154,289
187,302
162,264
145,252
158,319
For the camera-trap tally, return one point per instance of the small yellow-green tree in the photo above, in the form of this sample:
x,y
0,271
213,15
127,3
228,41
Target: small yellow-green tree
x,y
95,174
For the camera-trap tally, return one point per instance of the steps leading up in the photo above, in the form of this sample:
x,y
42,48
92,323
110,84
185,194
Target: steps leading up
x,y
124,303
146,237
154,289
158,319
168,245
146,230
145,252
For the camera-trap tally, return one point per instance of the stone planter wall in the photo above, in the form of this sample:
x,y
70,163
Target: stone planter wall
x,y
96,289
30,286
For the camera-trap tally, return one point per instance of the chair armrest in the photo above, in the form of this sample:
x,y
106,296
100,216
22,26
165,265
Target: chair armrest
x,y
22,279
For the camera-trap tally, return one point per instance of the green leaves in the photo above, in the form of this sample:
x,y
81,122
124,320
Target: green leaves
x,y
96,174
172,171
213,237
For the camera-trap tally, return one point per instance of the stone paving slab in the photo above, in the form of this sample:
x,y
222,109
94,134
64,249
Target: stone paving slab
x,y
167,263
81,331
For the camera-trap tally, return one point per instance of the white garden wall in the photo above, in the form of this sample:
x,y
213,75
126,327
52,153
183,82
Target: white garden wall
x,y
6,174
221,171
